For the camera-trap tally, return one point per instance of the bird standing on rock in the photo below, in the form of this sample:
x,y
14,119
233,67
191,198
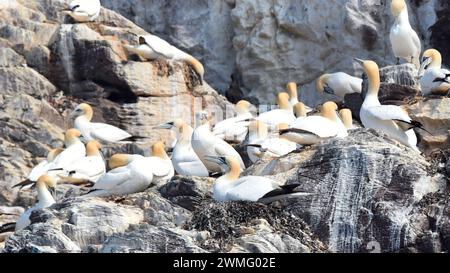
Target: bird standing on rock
x,y
151,47
404,40
390,119
84,10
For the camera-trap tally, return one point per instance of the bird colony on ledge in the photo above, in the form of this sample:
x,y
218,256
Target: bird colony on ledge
x,y
207,150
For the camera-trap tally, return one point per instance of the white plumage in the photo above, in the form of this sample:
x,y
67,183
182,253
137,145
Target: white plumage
x,y
84,10
339,84
235,129
206,144
435,79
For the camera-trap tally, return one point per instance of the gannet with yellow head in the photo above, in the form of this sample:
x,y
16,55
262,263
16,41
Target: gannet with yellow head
x,y
205,143
83,114
88,169
151,47
435,79
84,10
235,129
230,187
347,119
390,119
292,90
184,159
404,40
282,115
338,84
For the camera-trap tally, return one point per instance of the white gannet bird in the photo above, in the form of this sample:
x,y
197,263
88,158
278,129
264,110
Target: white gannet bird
x,y
45,187
404,40
293,95
390,119
205,143
134,173
258,132
40,169
235,129
339,84
152,47
87,169
435,79
272,147
314,129
230,187
184,159
83,114
282,115
347,119
74,151
84,10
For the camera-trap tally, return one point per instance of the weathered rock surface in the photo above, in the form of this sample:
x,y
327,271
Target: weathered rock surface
x,y
48,65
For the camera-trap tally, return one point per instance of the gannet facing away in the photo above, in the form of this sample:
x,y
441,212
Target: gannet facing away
x,y
314,129
390,119
435,79
404,40
293,95
235,129
40,169
45,187
88,169
134,173
282,115
83,114
205,144
185,161
152,47
230,187
339,84
347,119
84,10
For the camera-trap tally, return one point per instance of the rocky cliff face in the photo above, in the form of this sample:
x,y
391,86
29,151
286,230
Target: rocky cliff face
x,y
256,47
366,193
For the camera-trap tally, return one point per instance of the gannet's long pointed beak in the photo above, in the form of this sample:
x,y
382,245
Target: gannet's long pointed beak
x,y
24,184
359,61
168,125
215,159
52,192
73,114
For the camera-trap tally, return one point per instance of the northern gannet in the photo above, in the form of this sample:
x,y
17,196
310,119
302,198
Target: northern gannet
x,y
40,169
293,95
74,151
314,129
83,114
235,129
206,144
258,132
45,187
347,119
282,115
339,84
185,161
152,47
404,40
230,187
390,119
435,79
88,169
134,173
84,10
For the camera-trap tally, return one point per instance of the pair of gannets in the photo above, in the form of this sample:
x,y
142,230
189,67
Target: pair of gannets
x,y
205,143
134,173
435,79
45,187
235,129
152,47
260,144
404,40
84,10
339,84
83,114
230,187
314,129
184,159
390,119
